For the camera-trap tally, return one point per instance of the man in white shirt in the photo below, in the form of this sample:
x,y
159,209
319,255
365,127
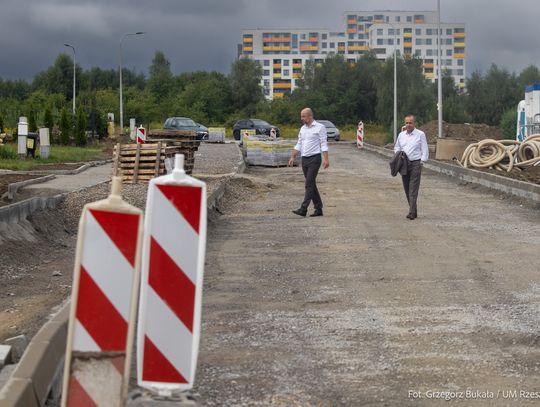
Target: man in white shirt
x,y
311,145
413,143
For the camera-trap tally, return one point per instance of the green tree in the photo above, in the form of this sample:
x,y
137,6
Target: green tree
x,y
80,127
32,120
48,120
1,124
508,124
58,78
530,75
65,127
245,81
160,82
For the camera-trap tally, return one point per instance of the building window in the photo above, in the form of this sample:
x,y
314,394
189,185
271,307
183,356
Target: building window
x,y
429,53
448,31
460,62
286,72
380,41
417,52
285,62
460,72
379,31
303,36
266,62
398,19
332,45
266,72
429,41
449,41
418,41
390,41
351,36
294,43
409,19
325,45
449,52
324,36
266,83
418,31
429,31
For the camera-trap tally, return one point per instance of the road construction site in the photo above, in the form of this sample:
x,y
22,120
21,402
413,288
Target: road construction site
x,y
359,307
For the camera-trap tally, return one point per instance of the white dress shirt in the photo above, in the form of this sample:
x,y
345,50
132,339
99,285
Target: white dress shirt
x,y
311,139
414,144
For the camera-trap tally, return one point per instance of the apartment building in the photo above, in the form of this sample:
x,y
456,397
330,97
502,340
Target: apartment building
x,y
283,53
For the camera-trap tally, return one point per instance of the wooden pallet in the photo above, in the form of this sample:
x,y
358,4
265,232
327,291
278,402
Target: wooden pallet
x,y
139,162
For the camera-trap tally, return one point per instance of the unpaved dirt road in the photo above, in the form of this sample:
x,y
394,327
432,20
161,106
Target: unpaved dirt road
x,y
363,307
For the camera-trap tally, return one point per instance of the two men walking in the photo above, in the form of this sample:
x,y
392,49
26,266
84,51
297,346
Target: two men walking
x,y
313,148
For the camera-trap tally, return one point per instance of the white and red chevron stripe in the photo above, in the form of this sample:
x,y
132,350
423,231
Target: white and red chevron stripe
x,y
171,288
103,305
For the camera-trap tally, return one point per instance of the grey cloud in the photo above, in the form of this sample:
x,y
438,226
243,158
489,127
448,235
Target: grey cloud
x,y
203,34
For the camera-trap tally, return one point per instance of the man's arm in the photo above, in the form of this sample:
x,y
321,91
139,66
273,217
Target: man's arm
x,y
323,139
397,147
296,150
325,162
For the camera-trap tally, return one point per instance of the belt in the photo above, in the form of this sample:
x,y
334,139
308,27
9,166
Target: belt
x,y
414,161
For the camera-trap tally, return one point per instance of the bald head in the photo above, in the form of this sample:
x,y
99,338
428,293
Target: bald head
x,y
306,115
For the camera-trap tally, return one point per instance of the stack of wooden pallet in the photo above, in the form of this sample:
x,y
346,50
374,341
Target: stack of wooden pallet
x,y
177,142
139,162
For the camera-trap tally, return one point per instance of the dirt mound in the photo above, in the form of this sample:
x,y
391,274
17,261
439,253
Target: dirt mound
x,y
467,131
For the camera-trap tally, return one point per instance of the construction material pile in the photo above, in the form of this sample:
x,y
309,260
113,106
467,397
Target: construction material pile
x,y
177,142
503,155
266,151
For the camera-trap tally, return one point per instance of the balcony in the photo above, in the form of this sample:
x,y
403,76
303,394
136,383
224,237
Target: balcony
x,y
277,39
428,75
297,75
358,47
352,21
296,66
276,66
352,30
277,48
309,48
407,35
459,44
428,66
247,48
313,39
459,35
282,85
278,95
248,40
276,76
459,56
378,21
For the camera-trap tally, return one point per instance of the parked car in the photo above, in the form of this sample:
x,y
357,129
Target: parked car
x,y
180,123
260,127
332,132
202,132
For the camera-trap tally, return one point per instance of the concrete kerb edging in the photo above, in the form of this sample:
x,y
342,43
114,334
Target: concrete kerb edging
x,y
12,188
492,181
38,374
59,172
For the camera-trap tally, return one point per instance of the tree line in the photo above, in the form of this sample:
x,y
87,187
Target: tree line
x,y
336,89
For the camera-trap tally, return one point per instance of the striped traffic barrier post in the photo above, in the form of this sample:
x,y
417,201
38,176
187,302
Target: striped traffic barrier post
x,y
360,135
103,303
172,267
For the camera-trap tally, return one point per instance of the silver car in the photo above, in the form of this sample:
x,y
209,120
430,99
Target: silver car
x,y
331,130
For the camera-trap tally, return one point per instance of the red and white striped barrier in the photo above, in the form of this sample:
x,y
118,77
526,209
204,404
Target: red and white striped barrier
x,y
103,303
360,135
171,287
141,135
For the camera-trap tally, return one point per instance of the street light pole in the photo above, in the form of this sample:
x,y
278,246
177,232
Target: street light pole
x,y
395,81
120,71
73,48
439,70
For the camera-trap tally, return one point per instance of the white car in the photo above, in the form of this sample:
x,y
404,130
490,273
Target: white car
x,y
332,132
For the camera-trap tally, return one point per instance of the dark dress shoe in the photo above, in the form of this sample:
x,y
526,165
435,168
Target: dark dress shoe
x,y
300,212
411,216
318,212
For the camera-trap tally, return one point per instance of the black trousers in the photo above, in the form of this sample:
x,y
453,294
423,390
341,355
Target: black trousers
x,y
310,167
411,184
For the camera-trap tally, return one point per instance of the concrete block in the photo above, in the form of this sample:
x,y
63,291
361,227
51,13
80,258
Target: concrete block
x,y
18,393
18,345
447,149
5,355
42,357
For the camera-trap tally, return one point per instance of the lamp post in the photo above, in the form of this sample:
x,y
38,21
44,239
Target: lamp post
x,y
73,48
395,81
439,80
121,99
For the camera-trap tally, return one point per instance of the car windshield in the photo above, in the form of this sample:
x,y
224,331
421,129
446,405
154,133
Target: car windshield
x,y
185,122
258,122
326,123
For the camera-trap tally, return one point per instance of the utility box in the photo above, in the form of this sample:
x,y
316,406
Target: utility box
x,y
22,134
44,143
132,129
31,144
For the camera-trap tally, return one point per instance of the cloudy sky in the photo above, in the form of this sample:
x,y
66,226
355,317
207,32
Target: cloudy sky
x,y
203,34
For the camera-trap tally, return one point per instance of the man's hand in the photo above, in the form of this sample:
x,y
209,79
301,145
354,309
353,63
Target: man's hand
x,y
291,162
325,163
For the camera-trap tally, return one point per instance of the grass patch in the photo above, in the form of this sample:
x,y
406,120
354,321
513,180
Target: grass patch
x,y
57,154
